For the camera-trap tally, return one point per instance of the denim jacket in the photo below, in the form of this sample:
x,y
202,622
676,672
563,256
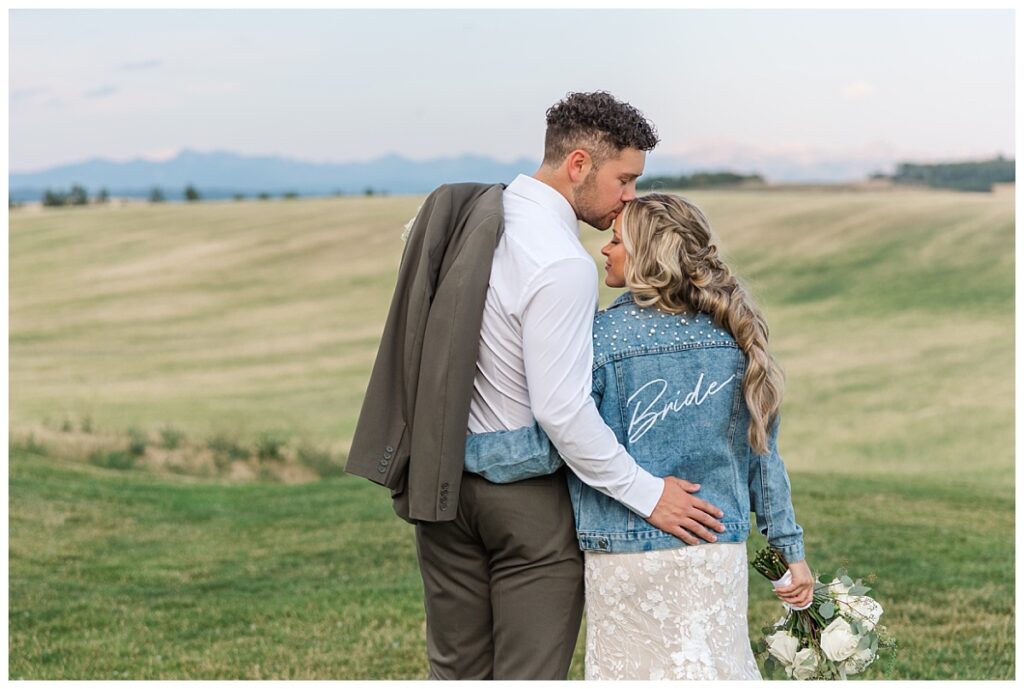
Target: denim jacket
x,y
671,387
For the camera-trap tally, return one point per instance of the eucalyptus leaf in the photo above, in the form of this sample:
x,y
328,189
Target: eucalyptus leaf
x,y
827,610
859,590
847,581
866,640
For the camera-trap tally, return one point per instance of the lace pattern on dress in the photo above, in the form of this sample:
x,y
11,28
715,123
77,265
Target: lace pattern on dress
x,y
679,613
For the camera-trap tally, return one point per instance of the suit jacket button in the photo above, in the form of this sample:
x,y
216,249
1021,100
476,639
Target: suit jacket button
x,y
444,485
389,449
382,469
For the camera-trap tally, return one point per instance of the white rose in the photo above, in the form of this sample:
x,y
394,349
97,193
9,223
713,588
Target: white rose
x,y
407,228
858,661
862,608
782,645
838,640
805,664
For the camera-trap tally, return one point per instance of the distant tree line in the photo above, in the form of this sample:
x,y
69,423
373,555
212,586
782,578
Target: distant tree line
x,y
698,180
78,196
969,176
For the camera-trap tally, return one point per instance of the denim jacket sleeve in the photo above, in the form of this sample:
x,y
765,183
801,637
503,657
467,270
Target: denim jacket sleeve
x,y
508,456
771,502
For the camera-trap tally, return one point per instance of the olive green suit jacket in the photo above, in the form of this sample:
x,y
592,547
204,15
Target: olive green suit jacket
x,y
411,433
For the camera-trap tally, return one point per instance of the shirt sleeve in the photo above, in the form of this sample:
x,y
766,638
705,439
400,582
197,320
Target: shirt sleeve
x,y
557,321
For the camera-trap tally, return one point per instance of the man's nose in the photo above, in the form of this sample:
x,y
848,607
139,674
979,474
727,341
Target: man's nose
x,y
630,193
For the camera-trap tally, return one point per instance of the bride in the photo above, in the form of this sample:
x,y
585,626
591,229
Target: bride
x,y
683,375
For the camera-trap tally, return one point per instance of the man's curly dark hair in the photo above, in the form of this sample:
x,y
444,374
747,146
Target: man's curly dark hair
x,y
598,123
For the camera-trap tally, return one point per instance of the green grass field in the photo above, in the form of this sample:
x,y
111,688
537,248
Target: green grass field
x,y
892,313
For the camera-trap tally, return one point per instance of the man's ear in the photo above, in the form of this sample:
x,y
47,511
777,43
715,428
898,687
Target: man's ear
x,y
578,165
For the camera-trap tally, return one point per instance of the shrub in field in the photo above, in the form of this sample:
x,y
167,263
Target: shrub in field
x,y
268,446
86,424
117,459
67,426
224,444
29,444
225,450
171,437
137,442
320,461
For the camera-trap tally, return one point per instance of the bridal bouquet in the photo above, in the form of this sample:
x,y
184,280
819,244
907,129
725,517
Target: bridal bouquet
x,y
838,635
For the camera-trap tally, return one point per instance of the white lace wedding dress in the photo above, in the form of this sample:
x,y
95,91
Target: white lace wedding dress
x,y
679,613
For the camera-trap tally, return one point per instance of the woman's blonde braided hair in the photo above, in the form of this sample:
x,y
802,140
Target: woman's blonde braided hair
x,y
673,264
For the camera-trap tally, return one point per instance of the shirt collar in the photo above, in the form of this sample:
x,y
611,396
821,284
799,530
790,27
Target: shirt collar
x,y
546,197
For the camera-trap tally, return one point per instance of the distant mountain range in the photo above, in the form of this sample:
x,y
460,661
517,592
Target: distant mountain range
x,y
221,174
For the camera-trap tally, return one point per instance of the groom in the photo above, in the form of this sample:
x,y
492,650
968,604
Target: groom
x,y
502,572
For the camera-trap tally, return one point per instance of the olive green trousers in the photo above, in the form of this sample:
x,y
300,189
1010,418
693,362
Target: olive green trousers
x,y
503,582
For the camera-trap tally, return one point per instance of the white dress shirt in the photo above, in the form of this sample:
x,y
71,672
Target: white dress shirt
x,y
536,345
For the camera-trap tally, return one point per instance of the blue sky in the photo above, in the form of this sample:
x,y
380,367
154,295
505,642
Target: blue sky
x,y
341,85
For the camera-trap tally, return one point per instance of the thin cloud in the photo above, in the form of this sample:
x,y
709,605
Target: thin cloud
x,y
22,95
858,90
101,91
141,65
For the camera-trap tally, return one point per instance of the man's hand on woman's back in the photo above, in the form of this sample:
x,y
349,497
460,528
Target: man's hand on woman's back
x,y
683,515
